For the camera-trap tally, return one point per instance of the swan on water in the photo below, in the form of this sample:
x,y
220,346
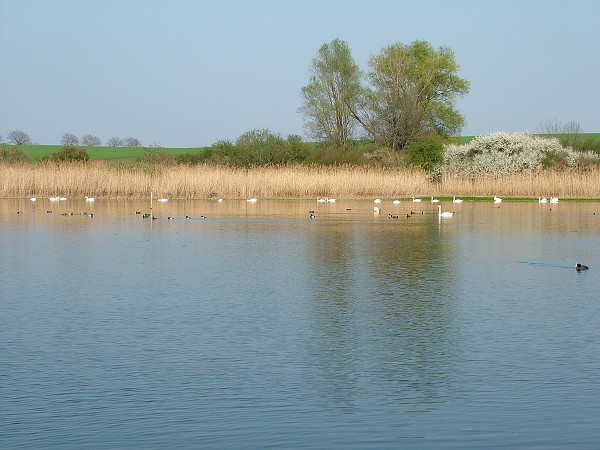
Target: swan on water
x,y
497,200
33,199
434,200
416,199
164,199
376,210
377,200
553,199
252,200
90,199
542,200
445,213
456,200
396,202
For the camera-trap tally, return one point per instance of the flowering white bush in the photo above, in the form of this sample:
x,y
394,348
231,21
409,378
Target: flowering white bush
x,y
501,153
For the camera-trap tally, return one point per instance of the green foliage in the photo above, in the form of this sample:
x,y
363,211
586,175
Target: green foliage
x,y
258,148
70,153
426,152
331,95
414,89
13,155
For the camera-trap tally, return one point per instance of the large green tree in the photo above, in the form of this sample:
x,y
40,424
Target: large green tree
x,y
413,92
333,90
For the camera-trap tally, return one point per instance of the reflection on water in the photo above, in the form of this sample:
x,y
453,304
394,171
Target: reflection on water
x,y
259,326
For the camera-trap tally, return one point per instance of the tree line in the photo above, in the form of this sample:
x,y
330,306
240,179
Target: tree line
x,y
20,137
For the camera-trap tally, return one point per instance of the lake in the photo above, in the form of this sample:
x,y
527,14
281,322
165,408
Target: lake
x,y
259,327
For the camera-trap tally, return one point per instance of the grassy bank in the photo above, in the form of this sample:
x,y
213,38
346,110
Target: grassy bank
x,y
103,180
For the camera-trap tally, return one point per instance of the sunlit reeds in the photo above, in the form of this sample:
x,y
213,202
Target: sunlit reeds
x,y
104,180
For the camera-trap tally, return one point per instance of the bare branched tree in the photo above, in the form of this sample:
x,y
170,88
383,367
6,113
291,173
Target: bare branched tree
x,y
114,142
69,139
90,140
132,142
18,137
554,126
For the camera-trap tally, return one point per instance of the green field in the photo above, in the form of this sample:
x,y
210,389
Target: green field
x,y
36,152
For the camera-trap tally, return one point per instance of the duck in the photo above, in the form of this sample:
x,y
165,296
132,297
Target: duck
x,y
456,200
580,267
553,199
416,199
542,200
445,213
497,199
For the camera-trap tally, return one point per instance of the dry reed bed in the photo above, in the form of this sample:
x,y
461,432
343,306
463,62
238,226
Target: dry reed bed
x,y
101,180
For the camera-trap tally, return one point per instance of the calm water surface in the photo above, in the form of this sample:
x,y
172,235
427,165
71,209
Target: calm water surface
x,y
259,327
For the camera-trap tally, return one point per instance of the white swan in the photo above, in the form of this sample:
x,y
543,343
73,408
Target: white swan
x,y
553,199
331,200
163,199
90,199
33,199
377,200
416,199
434,200
321,200
396,202
445,213
497,200
456,200
542,200
62,198
53,199
376,210
252,200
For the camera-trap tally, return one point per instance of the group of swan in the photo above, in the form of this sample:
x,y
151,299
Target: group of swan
x,y
325,200
545,200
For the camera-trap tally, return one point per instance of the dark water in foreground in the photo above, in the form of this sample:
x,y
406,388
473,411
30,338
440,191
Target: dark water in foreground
x,y
259,327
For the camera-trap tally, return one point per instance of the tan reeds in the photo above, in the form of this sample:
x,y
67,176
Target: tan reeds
x,y
105,181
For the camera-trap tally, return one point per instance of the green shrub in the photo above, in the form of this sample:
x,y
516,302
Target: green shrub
x,y
70,153
13,155
427,153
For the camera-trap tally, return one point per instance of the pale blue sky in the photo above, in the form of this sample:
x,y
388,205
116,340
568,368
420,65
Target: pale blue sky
x,y
188,73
